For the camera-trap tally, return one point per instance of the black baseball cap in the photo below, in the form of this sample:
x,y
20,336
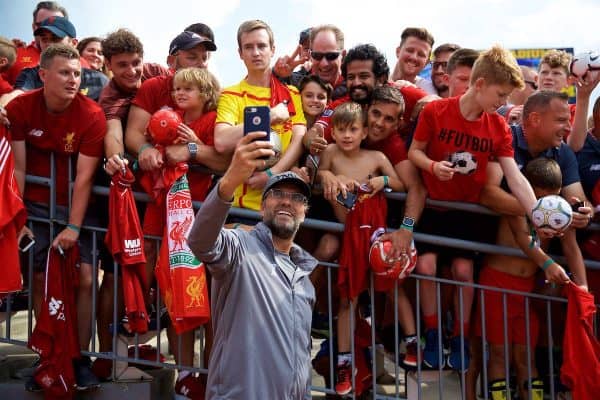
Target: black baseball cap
x,y
287,177
60,26
187,40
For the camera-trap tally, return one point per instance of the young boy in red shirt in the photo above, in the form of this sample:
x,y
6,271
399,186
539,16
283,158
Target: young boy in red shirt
x,y
195,93
355,166
453,141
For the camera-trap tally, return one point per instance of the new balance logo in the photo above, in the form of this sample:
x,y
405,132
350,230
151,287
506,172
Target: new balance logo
x,y
132,244
55,308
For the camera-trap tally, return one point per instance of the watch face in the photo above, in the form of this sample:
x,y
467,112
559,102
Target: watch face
x,y
408,221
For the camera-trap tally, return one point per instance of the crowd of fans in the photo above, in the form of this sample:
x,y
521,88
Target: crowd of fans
x,y
481,130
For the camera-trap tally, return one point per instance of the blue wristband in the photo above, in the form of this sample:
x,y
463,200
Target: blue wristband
x,y
407,227
546,264
74,228
386,181
268,172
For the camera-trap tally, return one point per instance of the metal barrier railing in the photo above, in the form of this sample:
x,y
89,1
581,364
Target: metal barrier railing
x,y
393,392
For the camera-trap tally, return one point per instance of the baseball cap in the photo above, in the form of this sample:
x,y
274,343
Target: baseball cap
x,y
60,26
287,177
187,40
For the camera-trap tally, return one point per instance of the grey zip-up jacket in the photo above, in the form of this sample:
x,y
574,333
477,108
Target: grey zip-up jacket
x,y
261,320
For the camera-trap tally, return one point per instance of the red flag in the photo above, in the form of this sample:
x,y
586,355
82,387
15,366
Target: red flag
x,y
55,336
126,243
12,218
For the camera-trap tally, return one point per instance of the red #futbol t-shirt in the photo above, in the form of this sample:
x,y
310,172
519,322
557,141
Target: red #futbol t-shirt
x,y
155,94
78,129
410,94
204,128
448,133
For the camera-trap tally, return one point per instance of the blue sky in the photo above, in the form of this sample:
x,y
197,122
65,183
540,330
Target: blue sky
x,y
476,24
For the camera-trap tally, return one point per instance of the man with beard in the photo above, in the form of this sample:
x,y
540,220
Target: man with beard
x,y
439,65
363,68
261,297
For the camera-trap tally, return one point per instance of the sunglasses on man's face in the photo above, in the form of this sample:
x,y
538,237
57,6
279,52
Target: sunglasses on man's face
x,y
533,84
436,64
329,56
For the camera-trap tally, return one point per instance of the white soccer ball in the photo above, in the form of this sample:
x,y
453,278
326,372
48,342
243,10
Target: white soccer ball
x,y
583,63
552,212
464,162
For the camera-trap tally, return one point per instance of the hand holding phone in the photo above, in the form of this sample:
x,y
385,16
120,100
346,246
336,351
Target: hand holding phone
x,y
257,118
347,202
26,243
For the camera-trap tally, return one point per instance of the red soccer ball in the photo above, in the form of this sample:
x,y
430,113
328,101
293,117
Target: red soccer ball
x,y
397,268
163,126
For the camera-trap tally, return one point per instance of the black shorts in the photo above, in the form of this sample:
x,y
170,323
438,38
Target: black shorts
x,y
43,239
454,224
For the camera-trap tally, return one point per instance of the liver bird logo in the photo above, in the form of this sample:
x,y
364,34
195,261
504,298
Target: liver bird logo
x,y
195,289
177,233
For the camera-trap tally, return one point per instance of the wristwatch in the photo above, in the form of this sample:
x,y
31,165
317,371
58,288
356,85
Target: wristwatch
x,y
408,223
193,149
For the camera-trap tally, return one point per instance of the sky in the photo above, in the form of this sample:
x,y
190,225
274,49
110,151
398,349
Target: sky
x,y
471,23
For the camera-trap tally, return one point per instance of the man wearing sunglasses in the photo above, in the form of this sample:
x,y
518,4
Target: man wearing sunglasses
x,y
326,55
260,286
439,66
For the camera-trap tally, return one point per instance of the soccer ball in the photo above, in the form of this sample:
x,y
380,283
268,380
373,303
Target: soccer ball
x,y
552,212
464,162
583,63
397,268
163,126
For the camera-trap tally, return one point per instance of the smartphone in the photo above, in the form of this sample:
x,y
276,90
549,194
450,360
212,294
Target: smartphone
x,y
347,202
576,206
257,118
312,163
25,243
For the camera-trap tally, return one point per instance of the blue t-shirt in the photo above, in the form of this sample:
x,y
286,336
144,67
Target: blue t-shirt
x,y
589,164
562,154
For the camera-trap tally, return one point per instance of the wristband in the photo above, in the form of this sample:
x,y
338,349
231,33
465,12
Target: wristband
x,y
386,181
74,228
269,172
144,147
407,227
431,168
546,264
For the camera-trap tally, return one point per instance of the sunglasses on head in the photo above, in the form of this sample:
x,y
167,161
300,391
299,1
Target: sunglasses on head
x,y
330,56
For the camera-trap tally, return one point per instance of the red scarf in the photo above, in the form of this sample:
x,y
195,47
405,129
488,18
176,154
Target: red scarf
x,y
126,243
12,218
181,277
281,93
